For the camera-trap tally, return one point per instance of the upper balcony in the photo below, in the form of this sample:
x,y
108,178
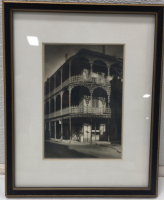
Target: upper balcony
x,y
79,69
97,80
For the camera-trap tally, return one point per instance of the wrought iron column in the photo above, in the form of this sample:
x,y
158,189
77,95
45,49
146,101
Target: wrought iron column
x,y
109,93
108,100
91,68
108,66
95,132
61,101
91,100
87,99
108,131
50,129
55,130
55,104
108,70
61,130
70,131
70,89
91,131
61,71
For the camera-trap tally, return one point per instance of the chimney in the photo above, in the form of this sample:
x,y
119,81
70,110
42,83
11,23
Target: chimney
x,y
103,49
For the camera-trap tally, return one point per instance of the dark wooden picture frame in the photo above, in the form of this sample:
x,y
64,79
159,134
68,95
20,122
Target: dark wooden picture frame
x,y
11,190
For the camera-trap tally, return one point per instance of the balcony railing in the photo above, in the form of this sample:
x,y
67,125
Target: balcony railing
x,y
85,109
65,111
97,80
80,110
79,79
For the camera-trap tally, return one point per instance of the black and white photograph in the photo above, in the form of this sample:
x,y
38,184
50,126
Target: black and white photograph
x,y
83,98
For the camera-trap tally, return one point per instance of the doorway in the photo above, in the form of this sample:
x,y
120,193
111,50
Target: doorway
x,y
87,132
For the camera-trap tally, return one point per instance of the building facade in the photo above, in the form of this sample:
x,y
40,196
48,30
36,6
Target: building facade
x,y
83,99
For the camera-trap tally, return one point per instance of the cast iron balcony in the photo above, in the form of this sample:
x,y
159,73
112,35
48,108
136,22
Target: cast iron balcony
x,y
80,79
80,110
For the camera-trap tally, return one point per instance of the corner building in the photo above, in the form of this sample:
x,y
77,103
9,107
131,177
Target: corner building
x,y
83,99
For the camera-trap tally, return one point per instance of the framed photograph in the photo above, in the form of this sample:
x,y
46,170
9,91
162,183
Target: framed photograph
x,y
82,99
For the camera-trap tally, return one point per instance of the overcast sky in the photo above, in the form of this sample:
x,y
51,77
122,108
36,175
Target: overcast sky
x,y
55,54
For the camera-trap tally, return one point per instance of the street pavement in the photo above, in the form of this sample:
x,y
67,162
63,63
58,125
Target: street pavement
x,y
75,149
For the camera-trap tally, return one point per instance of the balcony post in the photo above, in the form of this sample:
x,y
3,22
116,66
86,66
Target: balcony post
x,y
61,71
91,68
87,98
91,100
61,101
70,89
108,132
55,129
108,70
108,66
55,105
95,132
61,130
108,100
49,129
91,131
70,129
109,93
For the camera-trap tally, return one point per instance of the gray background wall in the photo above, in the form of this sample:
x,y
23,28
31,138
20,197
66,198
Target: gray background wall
x,y
2,145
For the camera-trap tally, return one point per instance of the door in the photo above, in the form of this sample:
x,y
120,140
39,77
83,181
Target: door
x,y
87,132
103,132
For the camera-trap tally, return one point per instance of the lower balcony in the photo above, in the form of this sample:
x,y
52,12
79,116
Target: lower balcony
x,y
80,110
